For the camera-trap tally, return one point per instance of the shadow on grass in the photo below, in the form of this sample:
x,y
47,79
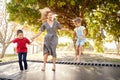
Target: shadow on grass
x,y
70,57
93,58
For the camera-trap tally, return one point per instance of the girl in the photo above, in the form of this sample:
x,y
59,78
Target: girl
x,y
79,34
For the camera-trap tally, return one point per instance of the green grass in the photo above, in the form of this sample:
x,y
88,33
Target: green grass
x,y
9,57
69,55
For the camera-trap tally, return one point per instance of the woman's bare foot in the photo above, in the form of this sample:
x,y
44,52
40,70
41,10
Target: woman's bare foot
x,y
43,69
53,69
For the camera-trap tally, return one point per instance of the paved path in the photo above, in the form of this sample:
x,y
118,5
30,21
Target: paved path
x,y
63,72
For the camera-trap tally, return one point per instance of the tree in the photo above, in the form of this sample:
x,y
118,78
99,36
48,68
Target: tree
x,y
5,31
98,15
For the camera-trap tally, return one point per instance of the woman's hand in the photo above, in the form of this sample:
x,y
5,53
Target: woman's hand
x,y
36,35
32,38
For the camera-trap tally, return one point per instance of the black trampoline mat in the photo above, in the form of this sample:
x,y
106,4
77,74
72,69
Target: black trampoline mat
x,y
63,72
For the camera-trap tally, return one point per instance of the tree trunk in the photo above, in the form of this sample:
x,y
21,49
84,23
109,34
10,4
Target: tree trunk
x,y
3,51
33,49
118,45
83,9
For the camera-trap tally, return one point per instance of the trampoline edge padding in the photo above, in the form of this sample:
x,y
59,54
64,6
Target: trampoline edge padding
x,y
71,63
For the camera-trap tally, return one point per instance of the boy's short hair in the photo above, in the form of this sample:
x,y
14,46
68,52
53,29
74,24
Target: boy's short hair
x,y
19,31
77,20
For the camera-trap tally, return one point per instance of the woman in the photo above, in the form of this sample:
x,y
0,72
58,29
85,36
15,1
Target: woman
x,y
51,38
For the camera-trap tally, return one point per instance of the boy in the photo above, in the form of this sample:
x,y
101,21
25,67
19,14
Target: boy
x,y
21,49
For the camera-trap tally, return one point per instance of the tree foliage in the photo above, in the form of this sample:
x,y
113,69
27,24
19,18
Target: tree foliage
x,y
98,15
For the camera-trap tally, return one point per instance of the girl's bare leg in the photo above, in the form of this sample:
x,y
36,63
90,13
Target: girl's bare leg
x,y
76,52
80,51
44,62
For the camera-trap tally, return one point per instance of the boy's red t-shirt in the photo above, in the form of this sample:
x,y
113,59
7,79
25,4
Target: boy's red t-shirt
x,y
21,44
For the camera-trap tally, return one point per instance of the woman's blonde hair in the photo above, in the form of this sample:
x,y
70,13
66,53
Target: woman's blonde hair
x,y
44,16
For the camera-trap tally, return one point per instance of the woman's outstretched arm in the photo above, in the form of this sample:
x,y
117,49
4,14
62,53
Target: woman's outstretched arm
x,y
36,35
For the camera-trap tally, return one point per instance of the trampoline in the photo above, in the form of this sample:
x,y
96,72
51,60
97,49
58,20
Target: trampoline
x,y
64,71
